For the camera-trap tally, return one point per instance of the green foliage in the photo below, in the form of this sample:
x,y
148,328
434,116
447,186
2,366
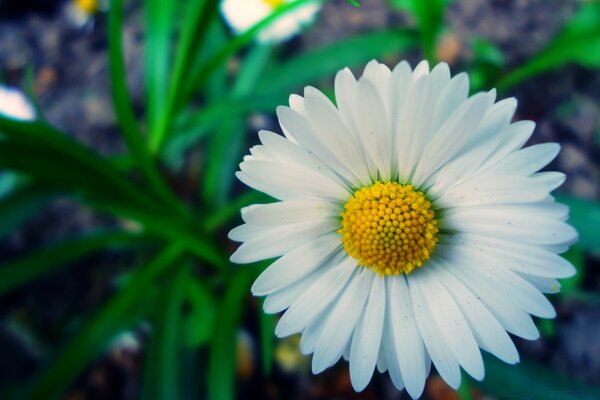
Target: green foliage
x,y
578,42
429,16
532,381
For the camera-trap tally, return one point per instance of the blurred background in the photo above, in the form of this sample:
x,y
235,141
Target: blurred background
x,y
115,205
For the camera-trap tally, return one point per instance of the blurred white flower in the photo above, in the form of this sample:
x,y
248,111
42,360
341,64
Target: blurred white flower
x,y
14,104
241,15
412,226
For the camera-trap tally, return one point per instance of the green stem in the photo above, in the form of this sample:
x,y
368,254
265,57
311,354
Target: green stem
x,y
124,109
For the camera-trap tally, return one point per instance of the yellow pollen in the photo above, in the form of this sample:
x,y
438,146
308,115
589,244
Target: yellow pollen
x,y
389,227
274,3
88,6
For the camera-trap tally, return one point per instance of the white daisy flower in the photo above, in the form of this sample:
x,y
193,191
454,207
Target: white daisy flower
x,y
412,226
14,104
242,15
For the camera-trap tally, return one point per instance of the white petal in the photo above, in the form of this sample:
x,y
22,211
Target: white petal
x,y
415,117
283,298
289,212
287,152
510,315
296,264
296,181
380,76
441,354
520,257
451,322
451,97
544,285
297,126
408,344
526,161
515,136
503,189
311,334
335,135
317,297
487,330
390,352
514,287
532,230
341,321
374,129
275,241
451,136
366,339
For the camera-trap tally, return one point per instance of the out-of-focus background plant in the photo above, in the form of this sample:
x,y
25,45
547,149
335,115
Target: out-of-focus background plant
x,y
115,202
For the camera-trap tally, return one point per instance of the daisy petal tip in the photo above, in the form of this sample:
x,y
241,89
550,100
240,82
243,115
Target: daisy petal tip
x,y
359,384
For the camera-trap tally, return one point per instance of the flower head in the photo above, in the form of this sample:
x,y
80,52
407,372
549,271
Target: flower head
x,y
241,15
412,226
14,104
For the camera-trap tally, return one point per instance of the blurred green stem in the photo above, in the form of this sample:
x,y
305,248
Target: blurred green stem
x,y
194,31
124,110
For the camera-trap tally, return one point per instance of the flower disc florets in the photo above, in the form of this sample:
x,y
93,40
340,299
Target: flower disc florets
x,y
389,227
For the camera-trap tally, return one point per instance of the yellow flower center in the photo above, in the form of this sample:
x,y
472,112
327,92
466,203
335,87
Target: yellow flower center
x,y
274,3
389,227
87,6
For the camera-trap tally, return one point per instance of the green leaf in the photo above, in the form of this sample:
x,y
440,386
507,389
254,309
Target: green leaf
x,y
200,321
267,341
124,108
578,42
531,381
429,16
20,204
196,23
323,62
585,218
37,148
570,285
159,26
163,372
119,313
221,368
487,63
430,19
39,263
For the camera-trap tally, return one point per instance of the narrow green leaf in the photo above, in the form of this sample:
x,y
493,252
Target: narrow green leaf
x,y
197,20
20,204
120,312
227,145
570,285
124,109
531,381
200,321
47,260
32,140
159,26
163,372
430,18
267,341
221,368
176,230
578,42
